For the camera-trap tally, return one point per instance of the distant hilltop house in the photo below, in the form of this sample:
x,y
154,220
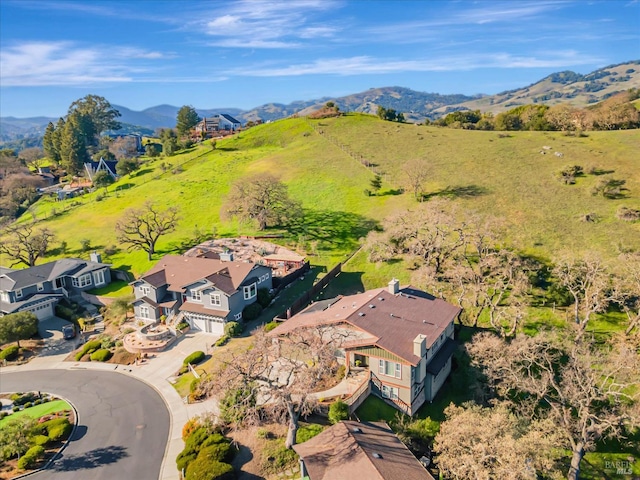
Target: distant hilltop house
x,y
205,292
38,289
402,337
102,165
218,123
133,137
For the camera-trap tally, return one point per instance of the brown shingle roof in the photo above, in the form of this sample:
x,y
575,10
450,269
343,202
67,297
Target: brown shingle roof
x,y
180,271
352,450
394,320
197,308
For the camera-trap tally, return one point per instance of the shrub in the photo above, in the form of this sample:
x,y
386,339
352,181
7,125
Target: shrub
x,y
195,440
107,343
65,313
184,459
189,428
182,326
10,353
23,398
233,329
37,402
101,355
89,347
270,326
29,459
15,408
340,373
60,432
338,411
628,214
28,405
41,440
195,358
264,297
195,383
204,469
251,312
219,452
49,425
277,457
222,341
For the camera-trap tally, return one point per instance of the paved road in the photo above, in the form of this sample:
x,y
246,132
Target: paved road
x,y
123,424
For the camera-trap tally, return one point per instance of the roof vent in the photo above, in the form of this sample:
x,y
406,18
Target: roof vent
x,y
381,299
372,306
356,430
361,314
377,455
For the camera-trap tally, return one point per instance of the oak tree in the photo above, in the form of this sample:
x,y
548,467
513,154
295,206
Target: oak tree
x,y
140,228
18,326
25,244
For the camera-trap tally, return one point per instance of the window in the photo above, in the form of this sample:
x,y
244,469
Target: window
x,y
82,281
215,299
263,278
19,293
40,287
237,316
392,369
389,392
195,295
59,283
144,311
145,289
98,277
250,291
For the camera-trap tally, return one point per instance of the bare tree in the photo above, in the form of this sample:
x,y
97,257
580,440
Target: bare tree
x,y
627,285
25,244
263,199
584,392
416,172
278,376
141,228
590,285
32,157
487,443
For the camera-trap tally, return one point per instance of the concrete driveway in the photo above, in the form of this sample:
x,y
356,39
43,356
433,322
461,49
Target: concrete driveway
x,y
50,331
123,424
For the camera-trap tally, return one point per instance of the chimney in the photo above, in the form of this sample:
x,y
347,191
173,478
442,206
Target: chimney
x,y
394,286
95,257
226,256
420,345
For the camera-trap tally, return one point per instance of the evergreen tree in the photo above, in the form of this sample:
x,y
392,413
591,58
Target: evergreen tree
x,y
186,120
49,143
73,152
57,138
94,115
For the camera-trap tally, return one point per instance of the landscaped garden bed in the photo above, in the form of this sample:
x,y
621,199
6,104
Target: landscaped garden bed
x,y
33,428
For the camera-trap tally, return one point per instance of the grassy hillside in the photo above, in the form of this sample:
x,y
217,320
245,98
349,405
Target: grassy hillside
x,y
505,177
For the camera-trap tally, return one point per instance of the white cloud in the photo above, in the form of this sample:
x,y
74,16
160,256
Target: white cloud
x,y
366,65
268,24
64,63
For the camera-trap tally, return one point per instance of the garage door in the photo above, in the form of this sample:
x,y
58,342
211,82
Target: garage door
x,y
207,325
43,311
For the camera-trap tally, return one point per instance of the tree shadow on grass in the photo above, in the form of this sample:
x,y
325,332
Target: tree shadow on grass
x,y
392,192
92,459
144,171
600,171
340,230
461,191
227,149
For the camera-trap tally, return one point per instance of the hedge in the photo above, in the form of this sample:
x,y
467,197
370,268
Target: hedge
x,y
251,312
31,457
10,353
233,329
270,326
204,469
338,411
89,347
220,452
264,297
222,341
195,358
101,355
184,459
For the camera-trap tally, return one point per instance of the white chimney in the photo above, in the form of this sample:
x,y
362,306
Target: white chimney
x,y
226,256
95,257
420,345
394,286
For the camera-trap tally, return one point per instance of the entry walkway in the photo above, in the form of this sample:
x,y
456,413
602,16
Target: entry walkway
x,y
156,372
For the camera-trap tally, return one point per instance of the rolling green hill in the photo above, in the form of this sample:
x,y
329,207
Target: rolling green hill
x,y
484,172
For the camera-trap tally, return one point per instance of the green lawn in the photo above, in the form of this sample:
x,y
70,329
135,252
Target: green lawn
x,y
118,288
38,411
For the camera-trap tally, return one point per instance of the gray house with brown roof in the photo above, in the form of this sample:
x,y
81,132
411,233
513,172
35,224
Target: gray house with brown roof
x,y
206,292
358,451
403,337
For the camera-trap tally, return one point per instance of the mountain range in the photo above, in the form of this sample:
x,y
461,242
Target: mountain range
x,y
567,87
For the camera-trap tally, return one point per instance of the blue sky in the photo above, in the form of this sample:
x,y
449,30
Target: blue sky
x,y
246,53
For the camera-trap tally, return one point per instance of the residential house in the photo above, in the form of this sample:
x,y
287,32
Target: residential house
x,y
38,289
403,337
206,292
208,126
354,450
102,165
227,122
